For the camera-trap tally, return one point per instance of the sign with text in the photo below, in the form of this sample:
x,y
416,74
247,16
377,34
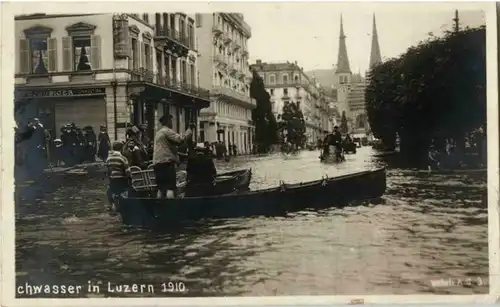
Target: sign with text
x,y
63,92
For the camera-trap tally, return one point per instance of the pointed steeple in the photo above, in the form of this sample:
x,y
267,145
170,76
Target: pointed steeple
x,y
342,59
375,56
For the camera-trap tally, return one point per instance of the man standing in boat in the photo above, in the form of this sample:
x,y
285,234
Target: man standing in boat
x,y
165,157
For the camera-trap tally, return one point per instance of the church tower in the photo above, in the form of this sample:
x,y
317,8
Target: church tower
x,y
375,56
343,72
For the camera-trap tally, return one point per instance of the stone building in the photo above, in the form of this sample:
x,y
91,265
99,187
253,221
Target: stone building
x,y
286,83
107,69
223,63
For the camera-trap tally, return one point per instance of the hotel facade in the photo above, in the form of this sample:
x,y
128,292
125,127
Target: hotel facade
x,y
223,61
287,83
107,69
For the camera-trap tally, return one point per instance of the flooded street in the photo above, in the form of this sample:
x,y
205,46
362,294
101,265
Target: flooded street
x,y
426,227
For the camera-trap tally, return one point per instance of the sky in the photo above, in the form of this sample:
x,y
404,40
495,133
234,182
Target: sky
x,y
309,33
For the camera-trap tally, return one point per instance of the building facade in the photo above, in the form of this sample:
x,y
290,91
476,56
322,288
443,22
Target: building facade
x,y
107,69
223,61
287,83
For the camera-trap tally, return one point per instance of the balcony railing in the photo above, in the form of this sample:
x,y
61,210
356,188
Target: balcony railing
x,y
217,29
171,83
233,95
175,35
233,70
235,46
227,39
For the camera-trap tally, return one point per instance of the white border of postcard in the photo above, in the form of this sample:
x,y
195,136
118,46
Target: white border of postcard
x,y
7,296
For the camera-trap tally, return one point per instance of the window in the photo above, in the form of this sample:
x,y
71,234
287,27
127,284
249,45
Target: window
x,y
81,51
285,79
272,92
145,17
193,75
173,63
39,55
182,28
147,55
191,35
272,79
285,91
296,78
134,54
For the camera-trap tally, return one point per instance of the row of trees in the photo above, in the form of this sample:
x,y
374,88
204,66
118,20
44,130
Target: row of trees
x,y
435,90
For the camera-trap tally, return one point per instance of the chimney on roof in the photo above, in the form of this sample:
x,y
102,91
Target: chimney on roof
x,y
259,62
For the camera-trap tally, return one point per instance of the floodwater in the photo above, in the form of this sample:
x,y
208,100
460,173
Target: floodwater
x,y
425,228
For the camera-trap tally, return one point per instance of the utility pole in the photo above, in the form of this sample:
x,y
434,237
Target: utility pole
x,y
456,22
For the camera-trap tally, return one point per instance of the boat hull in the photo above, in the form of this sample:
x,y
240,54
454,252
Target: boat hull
x,y
324,193
227,182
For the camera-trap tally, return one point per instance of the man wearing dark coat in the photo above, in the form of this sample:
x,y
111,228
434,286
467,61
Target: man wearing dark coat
x,y
104,144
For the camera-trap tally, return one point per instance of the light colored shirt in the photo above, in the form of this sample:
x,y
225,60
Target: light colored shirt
x,y
165,145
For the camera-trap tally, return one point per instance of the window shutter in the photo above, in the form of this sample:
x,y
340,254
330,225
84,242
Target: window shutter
x,y
24,56
95,52
52,54
68,59
143,55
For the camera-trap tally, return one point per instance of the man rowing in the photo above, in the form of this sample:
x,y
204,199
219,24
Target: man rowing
x,y
165,157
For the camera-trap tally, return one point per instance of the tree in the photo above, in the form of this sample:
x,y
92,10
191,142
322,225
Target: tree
x,y
293,124
344,128
263,118
435,90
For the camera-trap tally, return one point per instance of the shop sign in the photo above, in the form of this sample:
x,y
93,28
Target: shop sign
x,y
63,92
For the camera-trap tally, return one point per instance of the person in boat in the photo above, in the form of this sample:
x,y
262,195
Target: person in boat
x,y
200,165
133,149
104,144
336,140
165,158
118,170
433,158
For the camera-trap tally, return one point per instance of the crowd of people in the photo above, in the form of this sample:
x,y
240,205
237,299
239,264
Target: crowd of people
x,y
36,148
448,154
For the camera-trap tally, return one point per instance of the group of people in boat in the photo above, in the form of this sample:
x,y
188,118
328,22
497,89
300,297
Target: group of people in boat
x,y
340,145
165,158
447,153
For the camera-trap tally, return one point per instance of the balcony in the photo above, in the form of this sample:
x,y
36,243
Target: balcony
x,y
241,76
217,29
244,52
235,46
233,70
145,75
220,61
227,39
234,97
174,40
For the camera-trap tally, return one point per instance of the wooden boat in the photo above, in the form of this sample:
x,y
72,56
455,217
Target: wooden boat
x,y
323,193
447,171
144,182
224,183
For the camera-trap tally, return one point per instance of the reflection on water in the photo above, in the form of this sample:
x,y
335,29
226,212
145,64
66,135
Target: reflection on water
x,y
425,227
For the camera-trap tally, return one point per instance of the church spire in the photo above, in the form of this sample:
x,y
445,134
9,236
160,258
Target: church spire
x,y
375,57
342,60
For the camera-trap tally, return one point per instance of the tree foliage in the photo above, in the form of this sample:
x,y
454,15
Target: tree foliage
x,y
344,128
436,89
263,118
292,124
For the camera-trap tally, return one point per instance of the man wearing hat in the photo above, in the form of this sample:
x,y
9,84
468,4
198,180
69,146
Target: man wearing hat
x,y
165,157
